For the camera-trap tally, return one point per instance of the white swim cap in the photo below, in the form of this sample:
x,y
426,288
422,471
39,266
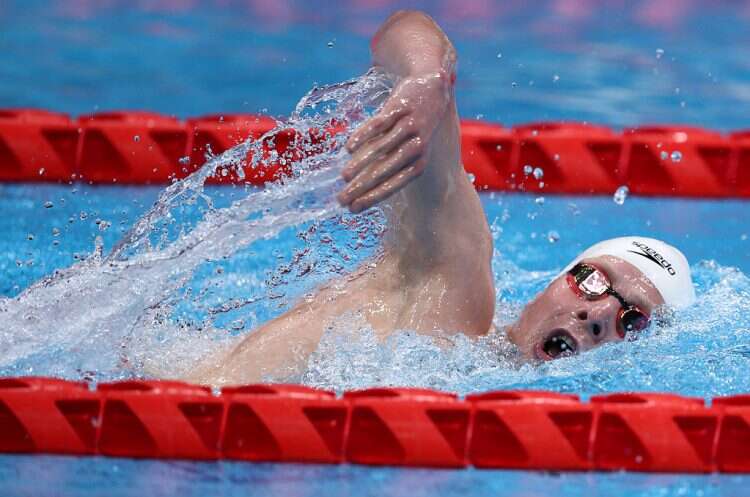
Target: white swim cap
x,y
665,266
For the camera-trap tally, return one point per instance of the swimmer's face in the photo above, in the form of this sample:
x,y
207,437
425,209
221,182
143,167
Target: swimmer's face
x,y
559,314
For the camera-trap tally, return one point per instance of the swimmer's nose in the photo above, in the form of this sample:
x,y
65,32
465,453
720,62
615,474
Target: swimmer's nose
x,y
597,319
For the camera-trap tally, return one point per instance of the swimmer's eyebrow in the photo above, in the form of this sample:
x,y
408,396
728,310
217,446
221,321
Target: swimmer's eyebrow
x,y
633,298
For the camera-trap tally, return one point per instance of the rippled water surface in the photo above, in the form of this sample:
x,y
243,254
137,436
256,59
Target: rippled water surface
x,y
103,283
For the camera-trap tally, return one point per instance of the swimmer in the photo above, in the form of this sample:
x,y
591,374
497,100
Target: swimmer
x,y
434,275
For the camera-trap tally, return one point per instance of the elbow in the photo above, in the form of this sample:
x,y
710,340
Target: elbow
x,y
408,15
412,35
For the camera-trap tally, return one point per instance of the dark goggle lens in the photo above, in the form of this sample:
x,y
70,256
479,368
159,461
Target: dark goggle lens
x,y
633,320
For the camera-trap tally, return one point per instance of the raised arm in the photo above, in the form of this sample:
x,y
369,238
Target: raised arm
x,y
392,148
434,275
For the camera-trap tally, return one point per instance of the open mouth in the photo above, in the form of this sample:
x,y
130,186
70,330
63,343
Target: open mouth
x,y
559,343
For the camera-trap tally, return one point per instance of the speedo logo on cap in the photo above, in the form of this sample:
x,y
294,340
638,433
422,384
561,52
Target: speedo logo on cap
x,y
653,256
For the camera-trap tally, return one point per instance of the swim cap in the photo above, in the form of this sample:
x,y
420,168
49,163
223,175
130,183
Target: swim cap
x,y
665,266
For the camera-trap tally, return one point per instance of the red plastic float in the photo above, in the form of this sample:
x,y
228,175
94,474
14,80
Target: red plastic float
x,y
576,158
381,426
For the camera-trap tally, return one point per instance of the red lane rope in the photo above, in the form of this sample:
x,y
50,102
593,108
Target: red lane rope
x,y
383,426
145,147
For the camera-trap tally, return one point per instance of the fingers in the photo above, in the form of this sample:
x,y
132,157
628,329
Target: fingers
x,y
379,148
382,122
389,187
379,172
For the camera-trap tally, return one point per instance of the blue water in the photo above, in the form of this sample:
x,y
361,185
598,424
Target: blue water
x,y
613,63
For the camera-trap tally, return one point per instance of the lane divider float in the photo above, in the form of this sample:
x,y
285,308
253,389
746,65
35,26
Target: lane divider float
x,y
576,158
531,430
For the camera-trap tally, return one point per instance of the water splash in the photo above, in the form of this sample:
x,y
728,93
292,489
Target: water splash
x,y
105,316
207,263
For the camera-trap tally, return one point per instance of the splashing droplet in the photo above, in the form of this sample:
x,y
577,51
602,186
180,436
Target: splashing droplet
x,y
676,156
553,236
539,200
621,194
538,173
48,205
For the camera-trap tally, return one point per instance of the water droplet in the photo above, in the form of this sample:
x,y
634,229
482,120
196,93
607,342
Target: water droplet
x,y
471,177
30,237
514,84
534,132
659,53
238,324
331,44
621,194
539,200
555,78
538,173
83,215
553,236
676,156
48,205
527,169
55,232
480,116
499,148
499,55
743,237
136,138
41,171
184,160
664,155
556,157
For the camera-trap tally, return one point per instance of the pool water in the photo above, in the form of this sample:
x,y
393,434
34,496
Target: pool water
x,y
605,63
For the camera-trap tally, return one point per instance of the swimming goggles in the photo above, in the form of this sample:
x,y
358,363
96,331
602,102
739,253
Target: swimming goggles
x,y
593,284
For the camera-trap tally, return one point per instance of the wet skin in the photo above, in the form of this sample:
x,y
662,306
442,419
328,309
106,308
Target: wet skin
x,y
434,276
559,310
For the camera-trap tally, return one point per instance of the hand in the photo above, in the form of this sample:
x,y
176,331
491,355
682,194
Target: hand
x,y
391,149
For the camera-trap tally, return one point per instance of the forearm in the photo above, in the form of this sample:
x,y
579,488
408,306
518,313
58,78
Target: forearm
x,y
410,43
